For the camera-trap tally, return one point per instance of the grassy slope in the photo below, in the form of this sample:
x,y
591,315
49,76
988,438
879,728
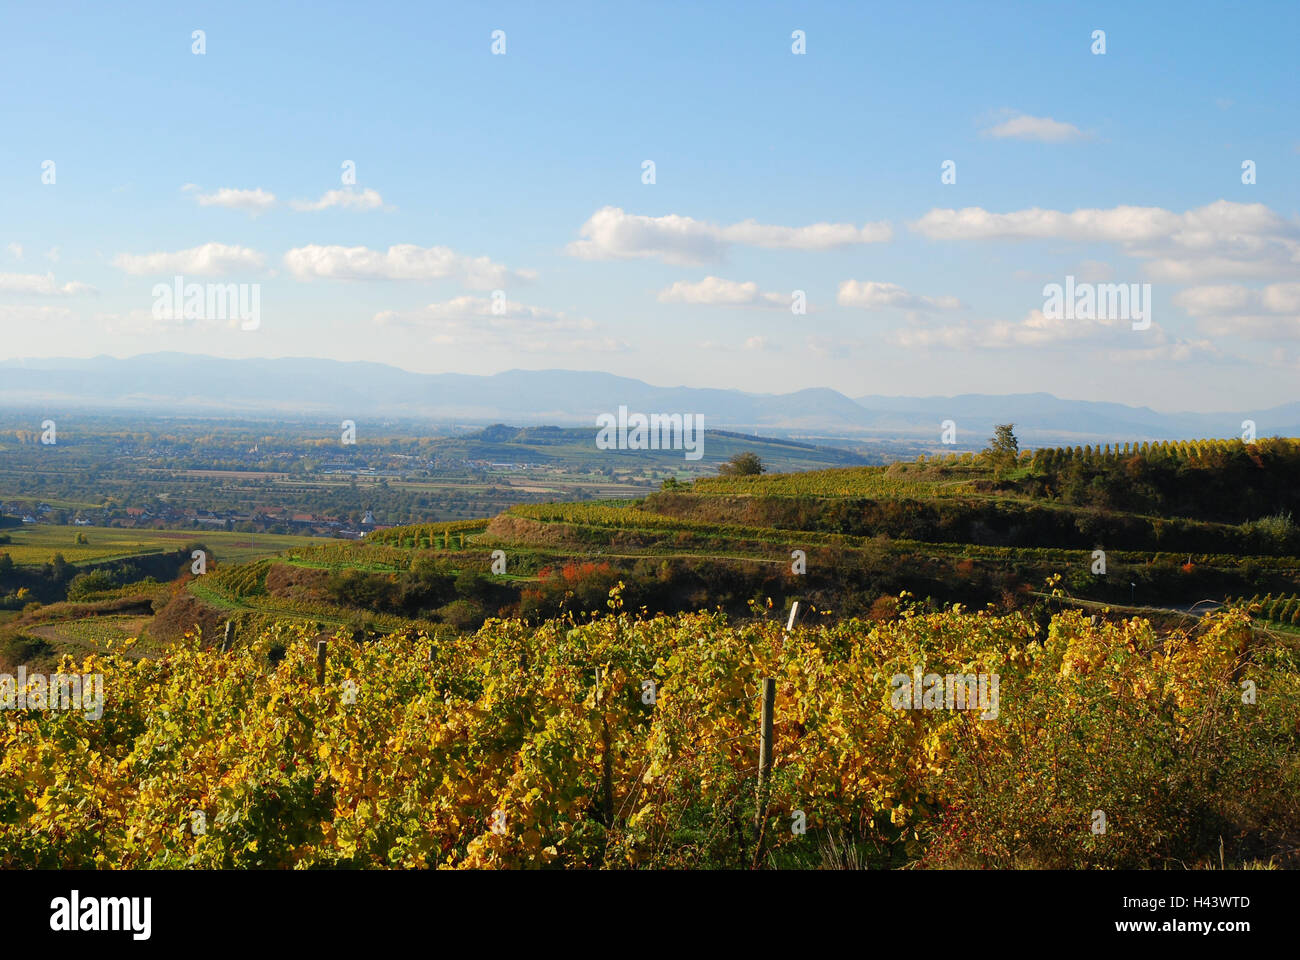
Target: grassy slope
x,y
34,544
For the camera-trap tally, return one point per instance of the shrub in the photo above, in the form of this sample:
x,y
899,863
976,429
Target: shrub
x,y
33,652
92,581
745,464
462,614
884,608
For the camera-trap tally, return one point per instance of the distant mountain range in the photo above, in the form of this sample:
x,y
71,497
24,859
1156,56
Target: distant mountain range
x,y
190,384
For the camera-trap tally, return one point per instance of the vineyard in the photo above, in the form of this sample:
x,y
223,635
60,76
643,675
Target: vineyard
x,y
1188,451
1159,529
1207,480
240,593
598,522
352,554
429,536
1281,610
593,523
96,633
626,517
633,743
940,476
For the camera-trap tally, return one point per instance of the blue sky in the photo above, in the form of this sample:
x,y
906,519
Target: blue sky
x,y
774,172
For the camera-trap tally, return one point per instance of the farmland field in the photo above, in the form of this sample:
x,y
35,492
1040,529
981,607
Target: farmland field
x,y
34,544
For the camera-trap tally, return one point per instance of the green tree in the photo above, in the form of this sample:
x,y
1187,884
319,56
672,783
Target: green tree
x,y
92,581
745,464
1003,449
56,569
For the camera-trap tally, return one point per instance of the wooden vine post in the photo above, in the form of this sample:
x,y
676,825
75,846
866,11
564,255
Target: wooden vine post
x,y
765,756
606,759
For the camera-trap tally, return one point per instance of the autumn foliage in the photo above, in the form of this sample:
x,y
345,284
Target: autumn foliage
x,y
626,742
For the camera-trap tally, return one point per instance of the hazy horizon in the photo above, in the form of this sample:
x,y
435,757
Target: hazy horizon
x,y
170,384
1157,408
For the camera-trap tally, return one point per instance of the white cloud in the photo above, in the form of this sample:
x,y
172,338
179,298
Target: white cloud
x,y
600,345
142,322
1022,126
756,343
1116,225
817,236
1094,271
1271,312
1167,351
1035,330
873,295
955,337
715,291
1223,238
139,322
348,199
209,260
710,290
41,285
612,234
479,311
401,262
254,201
820,344
15,250
1038,331
471,321
53,254
17,316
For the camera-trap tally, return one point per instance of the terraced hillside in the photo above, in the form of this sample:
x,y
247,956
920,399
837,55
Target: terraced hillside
x,y
846,542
